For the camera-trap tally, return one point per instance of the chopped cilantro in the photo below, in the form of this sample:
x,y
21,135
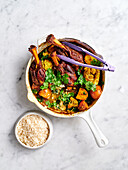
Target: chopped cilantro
x,y
39,99
82,81
43,54
65,97
61,91
53,87
90,86
55,91
44,86
95,62
70,94
52,78
44,57
58,76
50,104
34,91
64,78
78,72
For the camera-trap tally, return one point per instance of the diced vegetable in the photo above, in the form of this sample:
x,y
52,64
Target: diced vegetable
x,y
62,106
69,88
54,96
83,106
46,93
96,94
92,75
47,64
73,103
97,77
88,58
82,94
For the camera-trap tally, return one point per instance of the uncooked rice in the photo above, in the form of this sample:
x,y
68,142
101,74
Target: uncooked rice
x,y
33,130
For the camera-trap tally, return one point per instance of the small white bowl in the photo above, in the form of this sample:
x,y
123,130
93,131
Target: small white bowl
x,y
45,118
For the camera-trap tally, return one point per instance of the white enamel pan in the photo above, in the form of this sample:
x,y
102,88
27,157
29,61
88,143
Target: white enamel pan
x,y
101,140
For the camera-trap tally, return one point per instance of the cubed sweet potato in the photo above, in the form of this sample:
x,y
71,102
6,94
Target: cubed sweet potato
x,y
82,94
83,106
46,93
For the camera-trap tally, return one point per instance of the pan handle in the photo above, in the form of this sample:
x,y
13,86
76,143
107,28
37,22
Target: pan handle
x,y
101,140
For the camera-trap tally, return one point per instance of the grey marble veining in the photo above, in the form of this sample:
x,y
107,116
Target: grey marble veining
x,y
103,25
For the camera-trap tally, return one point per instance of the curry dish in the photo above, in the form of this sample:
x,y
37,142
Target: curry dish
x,y
61,86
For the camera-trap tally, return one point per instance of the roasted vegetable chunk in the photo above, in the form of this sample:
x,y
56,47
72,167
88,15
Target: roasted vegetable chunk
x,y
82,94
83,106
73,103
46,93
96,94
88,59
62,106
47,64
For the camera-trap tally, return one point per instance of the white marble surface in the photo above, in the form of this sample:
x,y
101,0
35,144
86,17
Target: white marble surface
x,y
102,24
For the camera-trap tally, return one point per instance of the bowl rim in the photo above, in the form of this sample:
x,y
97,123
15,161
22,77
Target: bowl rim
x,y
49,122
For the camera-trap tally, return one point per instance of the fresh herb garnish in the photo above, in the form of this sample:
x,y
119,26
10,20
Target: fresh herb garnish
x,y
53,87
39,99
50,104
43,55
58,76
65,97
82,81
55,80
61,91
44,86
90,86
64,78
95,62
34,91
51,78
78,72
